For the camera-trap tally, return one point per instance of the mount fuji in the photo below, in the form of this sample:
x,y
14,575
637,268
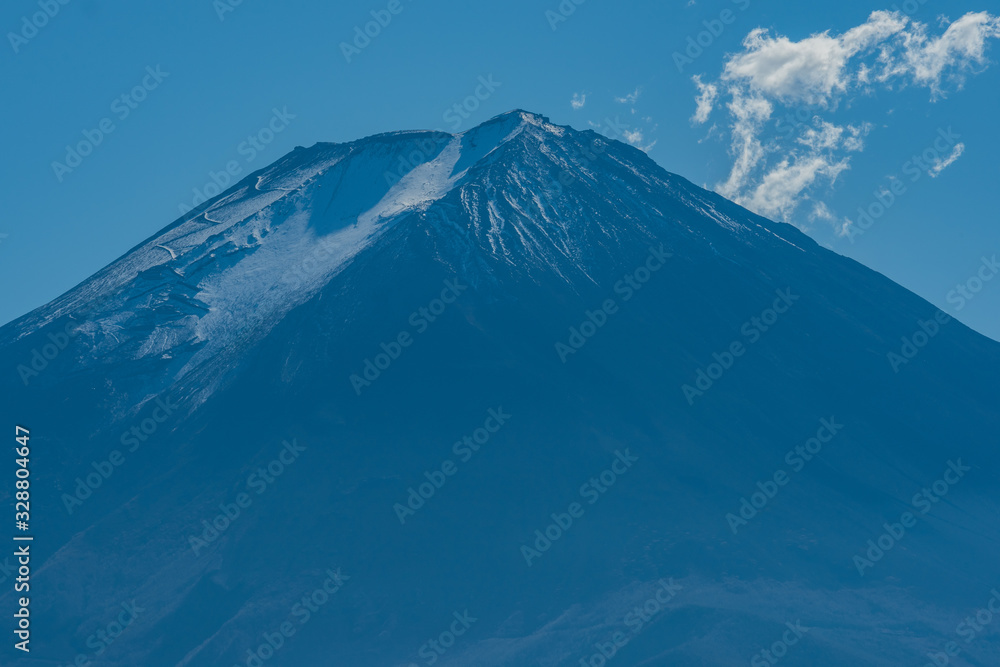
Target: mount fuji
x,y
511,397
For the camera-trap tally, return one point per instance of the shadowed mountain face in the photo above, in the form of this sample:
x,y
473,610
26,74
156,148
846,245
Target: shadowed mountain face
x,y
511,397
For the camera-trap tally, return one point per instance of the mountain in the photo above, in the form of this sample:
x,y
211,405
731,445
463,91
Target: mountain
x,y
511,397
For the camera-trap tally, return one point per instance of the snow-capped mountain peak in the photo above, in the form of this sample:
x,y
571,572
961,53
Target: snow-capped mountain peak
x,y
530,193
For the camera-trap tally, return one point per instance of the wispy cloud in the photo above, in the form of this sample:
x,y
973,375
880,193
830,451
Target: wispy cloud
x,y
579,99
821,211
811,71
707,94
931,61
637,139
940,165
774,172
631,98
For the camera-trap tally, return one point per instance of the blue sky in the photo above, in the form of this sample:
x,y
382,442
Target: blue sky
x,y
172,94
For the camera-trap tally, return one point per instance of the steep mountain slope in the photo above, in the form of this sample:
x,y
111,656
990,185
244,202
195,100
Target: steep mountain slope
x,y
383,366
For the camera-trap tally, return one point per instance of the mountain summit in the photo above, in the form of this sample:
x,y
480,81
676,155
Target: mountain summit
x,y
516,191
516,396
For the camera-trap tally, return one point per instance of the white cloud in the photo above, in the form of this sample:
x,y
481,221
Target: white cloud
x,y
940,165
615,128
817,69
844,228
631,98
814,156
707,94
781,189
636,138
827,136
821,212
774,172
961,46
579,99
749,116
812,70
